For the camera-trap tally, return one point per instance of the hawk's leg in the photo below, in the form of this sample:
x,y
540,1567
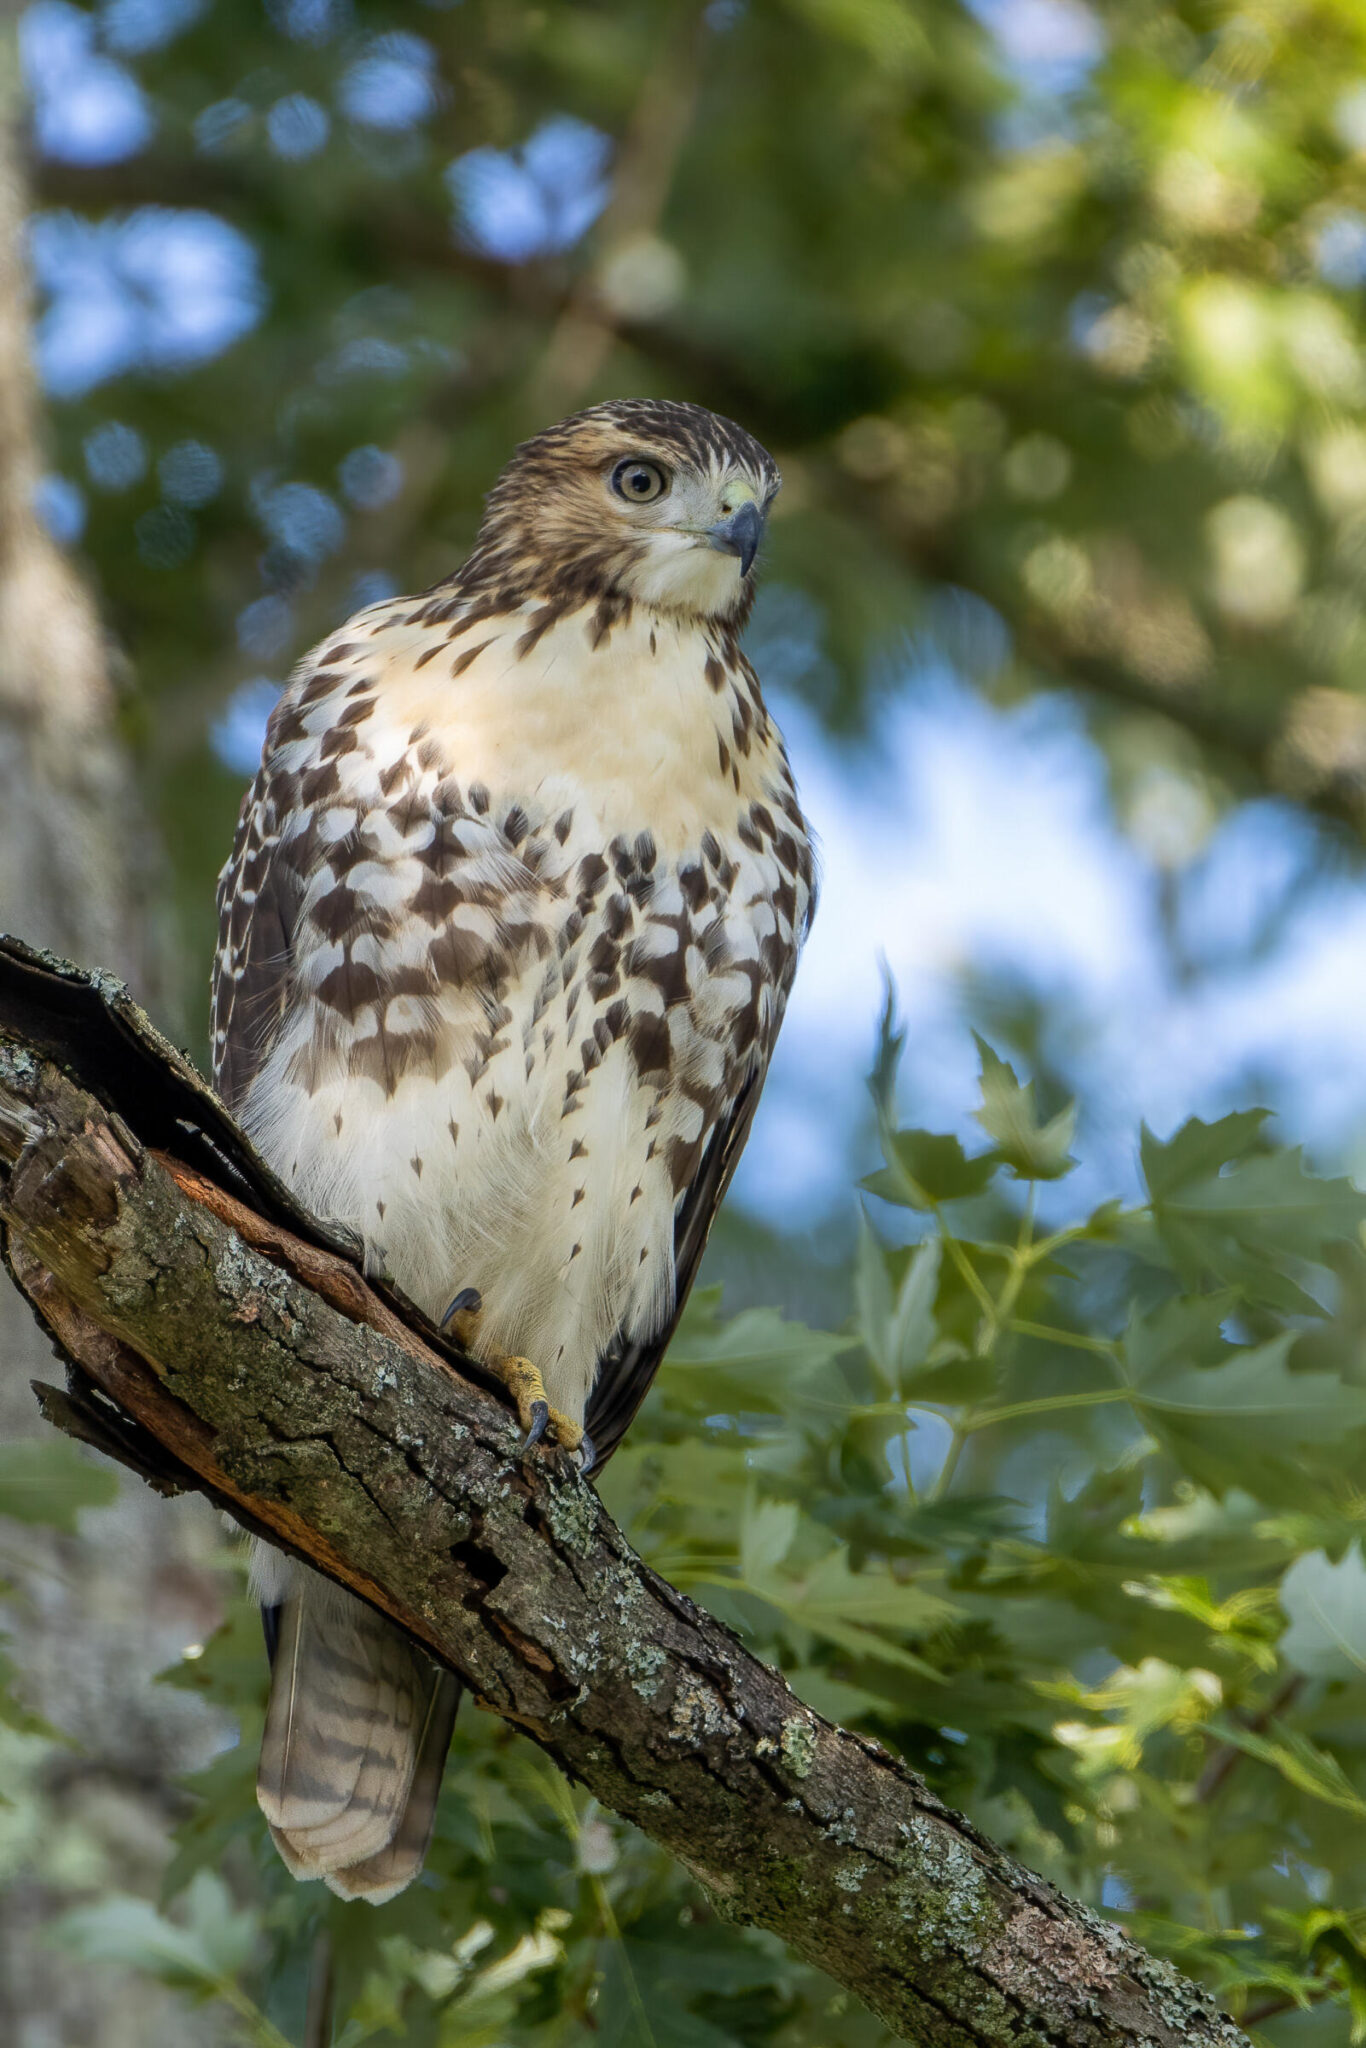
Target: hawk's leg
x,y
522,1380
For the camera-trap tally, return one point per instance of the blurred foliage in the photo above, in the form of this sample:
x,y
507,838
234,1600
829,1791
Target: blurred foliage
x,y
1062,348
46,1483
1057,334
1069,1517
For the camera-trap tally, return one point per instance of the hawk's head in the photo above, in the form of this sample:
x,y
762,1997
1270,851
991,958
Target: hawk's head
x,y
644,500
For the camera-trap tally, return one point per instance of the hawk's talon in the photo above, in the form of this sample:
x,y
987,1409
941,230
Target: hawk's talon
x,y
587,1454
534,1409
568,1434
468,1302
521,1378
536,1429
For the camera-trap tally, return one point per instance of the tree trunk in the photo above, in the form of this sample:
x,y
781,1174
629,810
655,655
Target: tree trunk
x,y
94,1615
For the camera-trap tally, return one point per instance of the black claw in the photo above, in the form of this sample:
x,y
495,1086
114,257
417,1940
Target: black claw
x,y
588,1456
540,1416
469,1301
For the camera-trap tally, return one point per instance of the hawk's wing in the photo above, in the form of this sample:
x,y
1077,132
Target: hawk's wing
x,y
258,901
629,1365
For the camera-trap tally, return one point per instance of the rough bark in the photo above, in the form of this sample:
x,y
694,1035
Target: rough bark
x,y
262,1368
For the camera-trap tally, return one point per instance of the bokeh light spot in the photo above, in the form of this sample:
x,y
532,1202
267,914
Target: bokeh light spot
x,y
393,86
297,127
301,518
60,505
264,626
373,586
190,473
115,456
159,289
1258,560
370,477
87,109
132,26
238,734
227,124
309,21
531,201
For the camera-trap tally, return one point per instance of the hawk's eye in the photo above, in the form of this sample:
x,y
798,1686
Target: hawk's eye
x,y
638,482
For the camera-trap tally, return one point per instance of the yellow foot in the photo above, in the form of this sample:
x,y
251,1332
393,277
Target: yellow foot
x,y
523,1381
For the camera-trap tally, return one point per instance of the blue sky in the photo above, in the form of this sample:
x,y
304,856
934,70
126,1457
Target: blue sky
x,y
962,841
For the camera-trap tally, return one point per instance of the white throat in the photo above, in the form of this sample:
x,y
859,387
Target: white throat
x,y
681,572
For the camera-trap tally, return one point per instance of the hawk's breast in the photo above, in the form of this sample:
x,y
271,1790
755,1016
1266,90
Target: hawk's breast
x,y
545,900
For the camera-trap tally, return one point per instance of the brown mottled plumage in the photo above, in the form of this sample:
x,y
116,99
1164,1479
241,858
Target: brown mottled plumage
x,y
506,938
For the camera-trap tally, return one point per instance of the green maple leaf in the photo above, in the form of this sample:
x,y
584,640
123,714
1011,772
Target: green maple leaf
x,y
1239,1216
1233,1415
1032,1150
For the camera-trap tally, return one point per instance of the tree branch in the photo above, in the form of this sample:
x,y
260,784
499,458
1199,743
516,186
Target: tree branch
x,y
255,1362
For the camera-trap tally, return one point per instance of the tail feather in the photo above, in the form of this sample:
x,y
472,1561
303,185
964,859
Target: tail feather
x,y
332,1700
379,1877
355,1741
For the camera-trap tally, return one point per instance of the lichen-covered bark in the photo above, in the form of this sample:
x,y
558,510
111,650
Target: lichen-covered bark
x,y
264,1367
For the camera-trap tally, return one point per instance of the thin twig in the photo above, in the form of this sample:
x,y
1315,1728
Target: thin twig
x,y
662,118
1227,1756
322,1993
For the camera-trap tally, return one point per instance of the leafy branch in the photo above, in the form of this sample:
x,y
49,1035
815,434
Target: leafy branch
x,y
264,1371
246,1351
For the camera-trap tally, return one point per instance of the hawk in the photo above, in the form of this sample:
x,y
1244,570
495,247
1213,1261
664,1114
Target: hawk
x,y
506,937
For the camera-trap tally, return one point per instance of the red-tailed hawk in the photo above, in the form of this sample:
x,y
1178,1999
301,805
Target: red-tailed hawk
x,y
506,937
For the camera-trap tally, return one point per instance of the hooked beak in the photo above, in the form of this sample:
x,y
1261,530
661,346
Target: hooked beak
x,y
739,535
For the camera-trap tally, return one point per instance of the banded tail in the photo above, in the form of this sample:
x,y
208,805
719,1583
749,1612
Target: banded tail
x,y
357,1730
